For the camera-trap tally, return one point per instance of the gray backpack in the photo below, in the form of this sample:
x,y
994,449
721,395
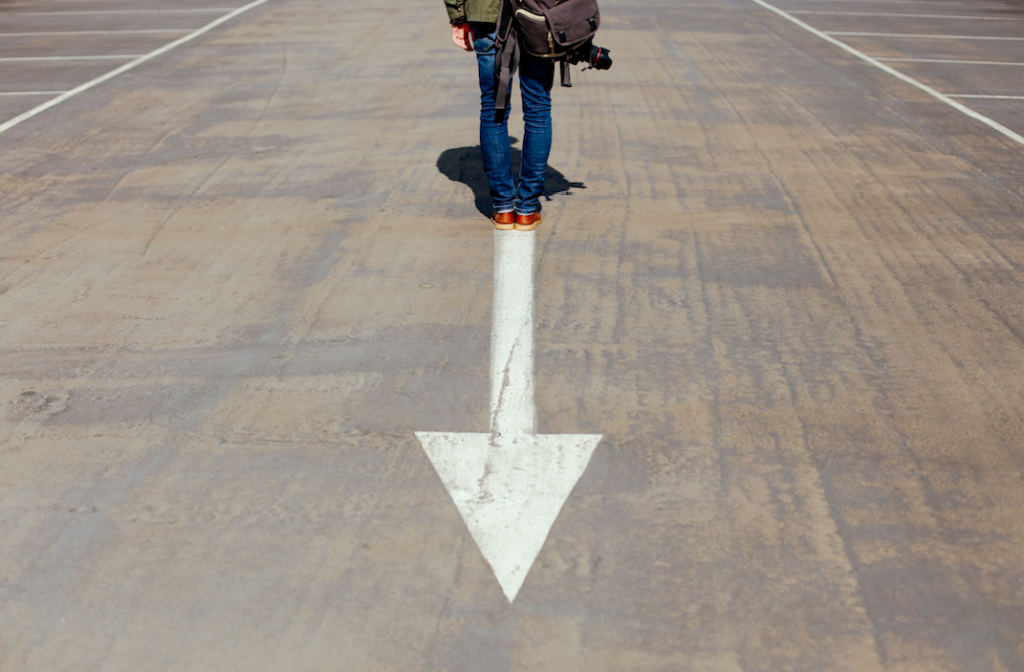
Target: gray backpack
x,y
561,30
552,28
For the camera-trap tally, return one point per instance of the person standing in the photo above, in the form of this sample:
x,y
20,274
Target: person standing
x,y
474,28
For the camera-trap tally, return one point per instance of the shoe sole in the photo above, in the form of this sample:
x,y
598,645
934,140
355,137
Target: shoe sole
x,y
529,227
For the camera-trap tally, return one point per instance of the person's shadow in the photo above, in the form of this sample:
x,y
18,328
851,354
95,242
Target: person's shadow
x,y
464,164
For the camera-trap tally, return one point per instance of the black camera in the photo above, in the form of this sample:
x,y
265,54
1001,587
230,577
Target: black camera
x,y
596,57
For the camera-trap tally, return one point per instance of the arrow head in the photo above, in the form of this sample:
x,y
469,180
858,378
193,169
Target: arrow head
x,y
509,490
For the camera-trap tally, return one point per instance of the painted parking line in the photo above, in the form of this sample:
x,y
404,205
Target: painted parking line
x,y
31,93
122,32
991,123
946,60
17,59
141,31
904,15
36,3
127,66
958,3
983,96
80,12
917,35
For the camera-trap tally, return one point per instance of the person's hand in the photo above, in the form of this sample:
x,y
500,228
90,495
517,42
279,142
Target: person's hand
x,y
462,35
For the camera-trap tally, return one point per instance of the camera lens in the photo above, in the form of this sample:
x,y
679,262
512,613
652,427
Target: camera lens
x,y
599,58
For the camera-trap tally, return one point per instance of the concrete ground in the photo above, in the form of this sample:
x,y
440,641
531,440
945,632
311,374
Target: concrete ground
x,y
782,283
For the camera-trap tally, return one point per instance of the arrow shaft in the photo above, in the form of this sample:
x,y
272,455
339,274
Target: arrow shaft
x,y
513,410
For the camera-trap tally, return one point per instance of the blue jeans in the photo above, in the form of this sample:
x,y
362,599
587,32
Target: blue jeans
x,y
536,76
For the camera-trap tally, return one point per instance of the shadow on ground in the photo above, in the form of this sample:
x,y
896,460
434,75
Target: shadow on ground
x,y
464,164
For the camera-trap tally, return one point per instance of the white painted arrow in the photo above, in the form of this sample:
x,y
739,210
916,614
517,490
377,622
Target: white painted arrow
x,y
510,484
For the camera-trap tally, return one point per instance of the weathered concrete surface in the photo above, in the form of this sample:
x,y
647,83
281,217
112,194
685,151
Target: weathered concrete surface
x,y
234,281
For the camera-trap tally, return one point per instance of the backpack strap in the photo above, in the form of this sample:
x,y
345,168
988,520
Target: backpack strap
x,y
506,61
506,65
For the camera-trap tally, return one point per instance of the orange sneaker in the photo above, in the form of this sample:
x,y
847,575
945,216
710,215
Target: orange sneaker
x,y
504,221
528,222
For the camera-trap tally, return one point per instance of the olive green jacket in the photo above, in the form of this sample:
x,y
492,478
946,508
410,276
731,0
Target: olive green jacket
x,y
483,11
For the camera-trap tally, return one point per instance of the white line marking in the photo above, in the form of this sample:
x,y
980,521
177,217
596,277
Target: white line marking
x,y
30,93
7,125
512,399
915,16
509,485
36,3
1016,137
924,37
945,60
203,10
958,3
978,95
98,32
125,57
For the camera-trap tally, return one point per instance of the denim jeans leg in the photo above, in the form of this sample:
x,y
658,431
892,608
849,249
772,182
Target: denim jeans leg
x,y
536,76
494,142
